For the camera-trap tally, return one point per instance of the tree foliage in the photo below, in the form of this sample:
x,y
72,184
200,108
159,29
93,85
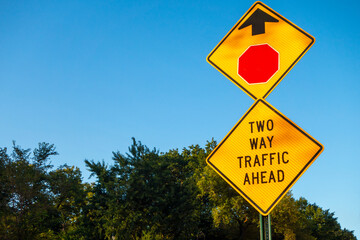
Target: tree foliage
x,y
143,194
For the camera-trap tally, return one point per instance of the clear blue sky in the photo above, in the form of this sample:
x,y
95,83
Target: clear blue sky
x,y
89,75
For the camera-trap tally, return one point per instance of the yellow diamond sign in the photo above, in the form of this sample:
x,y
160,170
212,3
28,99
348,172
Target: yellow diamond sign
x,y
260,50
264,155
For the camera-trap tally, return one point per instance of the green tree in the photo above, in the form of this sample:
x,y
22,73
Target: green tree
x,y
68,195
37,203
143,195
231,214
27,211
103,203
322,224
146,195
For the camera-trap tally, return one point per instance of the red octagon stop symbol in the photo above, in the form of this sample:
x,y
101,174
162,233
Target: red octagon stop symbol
x,y
258,64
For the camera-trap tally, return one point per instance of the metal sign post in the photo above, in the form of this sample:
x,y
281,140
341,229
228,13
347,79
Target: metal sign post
x,y
265,227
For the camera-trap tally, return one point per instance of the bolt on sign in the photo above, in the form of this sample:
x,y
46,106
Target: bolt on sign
x,y
260,50
264,155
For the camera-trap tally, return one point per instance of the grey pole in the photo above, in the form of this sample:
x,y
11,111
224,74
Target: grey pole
x,y
265,227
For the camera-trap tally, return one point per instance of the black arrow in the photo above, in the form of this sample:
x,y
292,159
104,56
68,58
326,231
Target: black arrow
x,y
257,20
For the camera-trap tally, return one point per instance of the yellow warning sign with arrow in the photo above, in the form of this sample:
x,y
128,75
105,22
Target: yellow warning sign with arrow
x,y
260,50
